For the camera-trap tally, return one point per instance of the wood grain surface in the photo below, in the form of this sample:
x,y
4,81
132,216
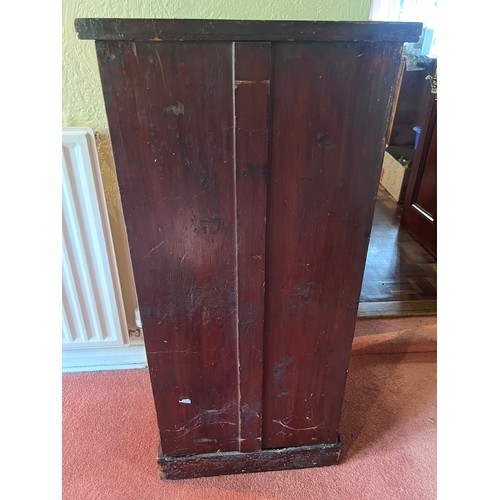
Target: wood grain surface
x,y
252,113
248,170
331,109
170,111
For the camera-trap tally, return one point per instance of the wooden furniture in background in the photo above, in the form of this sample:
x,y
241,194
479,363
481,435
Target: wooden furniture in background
x,y
419,216
410,104
248,156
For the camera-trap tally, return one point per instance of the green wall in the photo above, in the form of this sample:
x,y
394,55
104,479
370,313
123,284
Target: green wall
x,y
82,101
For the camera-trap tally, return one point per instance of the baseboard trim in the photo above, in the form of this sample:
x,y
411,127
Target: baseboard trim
x,y
396,309
100,359
217,464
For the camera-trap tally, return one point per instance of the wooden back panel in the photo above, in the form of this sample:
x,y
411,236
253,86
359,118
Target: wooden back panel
x,y
248,166
170,111
331,110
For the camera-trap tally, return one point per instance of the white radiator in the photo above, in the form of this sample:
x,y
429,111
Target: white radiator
x,y
93,312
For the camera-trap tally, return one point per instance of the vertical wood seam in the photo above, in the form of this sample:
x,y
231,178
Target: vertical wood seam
x,y
235,189
267,241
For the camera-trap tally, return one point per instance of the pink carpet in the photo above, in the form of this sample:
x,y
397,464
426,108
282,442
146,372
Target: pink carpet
x,y
388,430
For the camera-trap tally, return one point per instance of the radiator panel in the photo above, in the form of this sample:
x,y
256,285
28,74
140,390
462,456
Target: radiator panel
x,y
93,312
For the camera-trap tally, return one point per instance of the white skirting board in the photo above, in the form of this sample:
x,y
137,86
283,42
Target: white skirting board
x,y
105,358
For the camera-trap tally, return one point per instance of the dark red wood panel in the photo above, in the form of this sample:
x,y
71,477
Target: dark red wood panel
x,y
248,156
252,67
170,111
331,109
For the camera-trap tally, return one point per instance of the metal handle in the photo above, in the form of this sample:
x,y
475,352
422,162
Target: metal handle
x,y
433,82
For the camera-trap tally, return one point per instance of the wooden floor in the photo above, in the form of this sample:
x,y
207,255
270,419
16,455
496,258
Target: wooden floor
x,y
400,275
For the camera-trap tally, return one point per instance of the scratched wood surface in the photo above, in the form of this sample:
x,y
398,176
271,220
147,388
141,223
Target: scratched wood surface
x,y
236,463
248,170
170,109
331,109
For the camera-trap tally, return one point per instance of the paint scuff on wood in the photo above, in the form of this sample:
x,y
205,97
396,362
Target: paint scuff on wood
x,y
237,83
175,109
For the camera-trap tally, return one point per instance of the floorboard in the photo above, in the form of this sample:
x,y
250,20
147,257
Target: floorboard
x,y
400,275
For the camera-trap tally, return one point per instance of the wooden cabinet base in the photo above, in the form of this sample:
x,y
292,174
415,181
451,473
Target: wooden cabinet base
x,y
217,464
